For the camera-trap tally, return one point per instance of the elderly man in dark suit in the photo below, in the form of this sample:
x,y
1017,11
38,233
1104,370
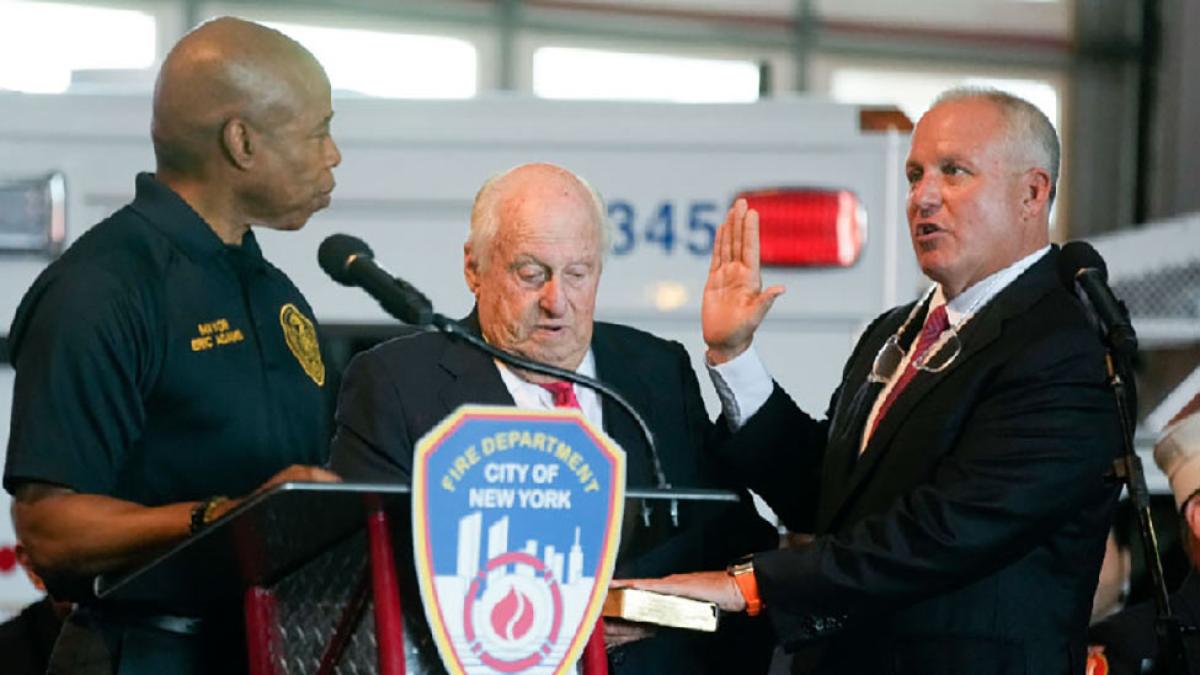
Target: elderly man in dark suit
x,y
957,484
533,261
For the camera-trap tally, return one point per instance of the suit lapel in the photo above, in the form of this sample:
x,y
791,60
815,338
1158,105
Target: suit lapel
x,y
853,406
979,333
617,368
474,378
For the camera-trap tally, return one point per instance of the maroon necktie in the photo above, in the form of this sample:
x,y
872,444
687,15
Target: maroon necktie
x,y
935,324
595,658
563,394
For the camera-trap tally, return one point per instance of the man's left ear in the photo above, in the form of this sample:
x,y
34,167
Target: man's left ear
x,y
1035,191
239,142
1191,515
471,269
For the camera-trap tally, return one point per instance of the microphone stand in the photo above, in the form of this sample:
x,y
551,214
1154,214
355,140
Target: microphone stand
x,y
455,329
1172,653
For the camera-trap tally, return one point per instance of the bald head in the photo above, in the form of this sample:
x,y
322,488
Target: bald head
x,y
533,262
503,197
224,69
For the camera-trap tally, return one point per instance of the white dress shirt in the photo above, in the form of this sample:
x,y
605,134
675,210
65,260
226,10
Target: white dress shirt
x,y
530,396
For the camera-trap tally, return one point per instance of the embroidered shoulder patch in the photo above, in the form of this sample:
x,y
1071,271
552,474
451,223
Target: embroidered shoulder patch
x,y
301,338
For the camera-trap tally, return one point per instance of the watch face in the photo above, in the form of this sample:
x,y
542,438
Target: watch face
x,y
741,565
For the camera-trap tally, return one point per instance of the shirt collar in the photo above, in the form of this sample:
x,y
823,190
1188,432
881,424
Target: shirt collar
x,y
978,295
515,383
174,217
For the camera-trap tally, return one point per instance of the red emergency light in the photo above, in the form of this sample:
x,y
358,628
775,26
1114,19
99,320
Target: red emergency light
x,y
806,227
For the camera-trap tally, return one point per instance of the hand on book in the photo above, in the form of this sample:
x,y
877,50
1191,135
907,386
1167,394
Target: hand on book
x,y
716,587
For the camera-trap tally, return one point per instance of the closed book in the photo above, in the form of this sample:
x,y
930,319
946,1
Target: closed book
x,y
633,604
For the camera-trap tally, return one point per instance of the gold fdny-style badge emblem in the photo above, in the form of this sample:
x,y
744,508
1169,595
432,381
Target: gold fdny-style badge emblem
x,y
301,338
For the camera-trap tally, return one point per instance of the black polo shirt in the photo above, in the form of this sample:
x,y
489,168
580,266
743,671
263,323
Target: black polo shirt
x,y
156,364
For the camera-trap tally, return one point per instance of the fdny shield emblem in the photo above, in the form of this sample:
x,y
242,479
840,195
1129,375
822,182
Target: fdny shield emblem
x,y
301,338
516,522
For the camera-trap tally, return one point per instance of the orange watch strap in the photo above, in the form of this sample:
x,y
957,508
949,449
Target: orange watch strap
x,y
748,585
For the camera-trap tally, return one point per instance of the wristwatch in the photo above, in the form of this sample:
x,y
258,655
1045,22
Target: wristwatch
x,y
742,571
205,512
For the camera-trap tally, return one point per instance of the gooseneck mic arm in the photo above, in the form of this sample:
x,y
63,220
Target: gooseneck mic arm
x,y
452,327
350,262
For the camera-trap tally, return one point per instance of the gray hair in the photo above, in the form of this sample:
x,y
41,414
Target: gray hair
x,y
485,213
1030,129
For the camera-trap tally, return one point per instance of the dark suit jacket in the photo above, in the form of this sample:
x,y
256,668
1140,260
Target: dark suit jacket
x,y
968,536
1128,636
393,394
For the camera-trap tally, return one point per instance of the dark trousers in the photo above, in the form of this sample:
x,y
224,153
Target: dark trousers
x,y
103,643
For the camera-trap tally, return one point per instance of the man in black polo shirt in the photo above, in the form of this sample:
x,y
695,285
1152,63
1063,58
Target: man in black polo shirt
x,y
162,363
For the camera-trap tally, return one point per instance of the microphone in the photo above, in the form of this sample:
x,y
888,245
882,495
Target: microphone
x,y
1081,266
350,262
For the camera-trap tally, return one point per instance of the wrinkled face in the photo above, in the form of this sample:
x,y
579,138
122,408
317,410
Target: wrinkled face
x,y
965,195
298,157
536,287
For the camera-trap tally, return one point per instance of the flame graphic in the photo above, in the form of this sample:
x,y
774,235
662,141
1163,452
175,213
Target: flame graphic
x,y
512,617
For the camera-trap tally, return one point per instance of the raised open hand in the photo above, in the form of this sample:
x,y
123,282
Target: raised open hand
x,y
734,301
